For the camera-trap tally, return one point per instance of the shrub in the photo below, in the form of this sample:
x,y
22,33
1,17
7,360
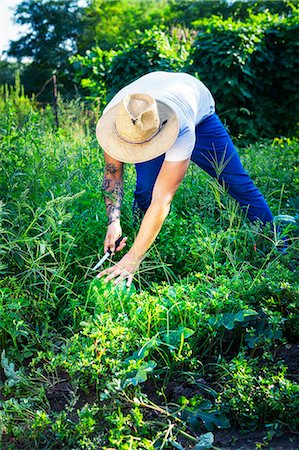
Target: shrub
x,y
257,395
104,73
252,69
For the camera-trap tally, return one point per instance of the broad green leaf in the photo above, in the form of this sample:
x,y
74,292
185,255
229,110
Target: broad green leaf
x,y
210,419
144,351
205,441
229,320
142,373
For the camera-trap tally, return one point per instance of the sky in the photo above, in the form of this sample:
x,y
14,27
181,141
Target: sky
x,y
9,30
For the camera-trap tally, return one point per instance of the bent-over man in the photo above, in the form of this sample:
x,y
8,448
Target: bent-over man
x,y
160,123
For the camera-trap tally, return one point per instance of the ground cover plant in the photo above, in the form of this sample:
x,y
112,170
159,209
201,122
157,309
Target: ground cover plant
x,y
205,342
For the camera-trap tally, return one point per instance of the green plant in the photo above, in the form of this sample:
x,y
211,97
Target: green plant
x,y
256,394
249,66
207,334
103,73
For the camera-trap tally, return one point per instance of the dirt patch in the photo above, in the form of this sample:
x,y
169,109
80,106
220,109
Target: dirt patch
x,y
289,353
62,393
176,390
59,395
234,440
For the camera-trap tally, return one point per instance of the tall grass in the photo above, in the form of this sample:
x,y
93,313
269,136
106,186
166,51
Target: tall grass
x,y
193,347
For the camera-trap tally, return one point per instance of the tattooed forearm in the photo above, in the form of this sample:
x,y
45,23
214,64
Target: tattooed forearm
x,y
112,187
114,201
106,184
110,168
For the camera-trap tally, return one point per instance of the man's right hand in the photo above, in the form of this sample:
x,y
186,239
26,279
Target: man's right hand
x,y
114,231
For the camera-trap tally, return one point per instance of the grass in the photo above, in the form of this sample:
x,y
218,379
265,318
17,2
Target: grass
x,y
204,341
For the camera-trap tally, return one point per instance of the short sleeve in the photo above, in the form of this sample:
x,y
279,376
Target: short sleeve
x,y
183,146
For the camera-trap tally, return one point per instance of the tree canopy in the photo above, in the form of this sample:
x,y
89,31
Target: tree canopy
x,y
55,26
60,29
54,29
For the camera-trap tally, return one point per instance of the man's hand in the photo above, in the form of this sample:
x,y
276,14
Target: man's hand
x,y
123,270
114,231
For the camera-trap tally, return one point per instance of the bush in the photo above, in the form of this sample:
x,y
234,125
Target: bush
x,y
104,73
252,70
254,393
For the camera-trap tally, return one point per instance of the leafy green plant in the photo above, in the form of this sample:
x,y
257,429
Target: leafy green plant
x,y
238,60
263,394
201,413
103,73
207,333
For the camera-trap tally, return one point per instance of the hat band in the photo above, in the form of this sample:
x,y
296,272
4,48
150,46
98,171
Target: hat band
x,y
142,142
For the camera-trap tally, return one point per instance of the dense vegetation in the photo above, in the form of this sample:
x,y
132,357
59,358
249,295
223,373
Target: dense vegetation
x,y
204,341
246,52
250,67
203,348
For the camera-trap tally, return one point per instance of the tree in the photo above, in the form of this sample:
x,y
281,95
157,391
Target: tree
x,y
111,23
186,12
54,29
8,72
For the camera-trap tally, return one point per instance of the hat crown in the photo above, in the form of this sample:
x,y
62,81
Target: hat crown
x,y
137,118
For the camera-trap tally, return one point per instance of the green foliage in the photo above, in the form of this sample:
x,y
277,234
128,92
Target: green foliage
x,y
54,27
113,23
8,72
15,103
13,377
282,157
206,338
257,393
103,73
252,71
201,411
187,12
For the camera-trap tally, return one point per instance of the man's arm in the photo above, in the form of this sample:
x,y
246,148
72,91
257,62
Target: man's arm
x,y
169,179
167,183
112,187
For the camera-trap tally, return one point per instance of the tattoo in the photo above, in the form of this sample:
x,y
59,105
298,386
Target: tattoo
x,y
113,193
110,168
106,184
113,212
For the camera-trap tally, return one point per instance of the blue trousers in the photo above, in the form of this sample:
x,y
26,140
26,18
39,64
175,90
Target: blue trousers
x,y
215,153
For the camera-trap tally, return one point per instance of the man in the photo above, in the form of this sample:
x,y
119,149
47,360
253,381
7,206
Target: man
x,y
160,122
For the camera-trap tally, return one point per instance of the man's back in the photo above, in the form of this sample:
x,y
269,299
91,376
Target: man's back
x,y
189,97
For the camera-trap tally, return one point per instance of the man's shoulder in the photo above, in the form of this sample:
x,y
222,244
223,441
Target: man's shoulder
x,y
159,74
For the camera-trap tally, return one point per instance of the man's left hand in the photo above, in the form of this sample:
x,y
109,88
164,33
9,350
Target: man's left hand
x,y
123,270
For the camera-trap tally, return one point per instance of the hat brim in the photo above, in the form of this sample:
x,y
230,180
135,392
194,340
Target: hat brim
x,y
135,153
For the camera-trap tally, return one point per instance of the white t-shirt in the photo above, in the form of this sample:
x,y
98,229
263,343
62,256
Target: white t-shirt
x,y
189,97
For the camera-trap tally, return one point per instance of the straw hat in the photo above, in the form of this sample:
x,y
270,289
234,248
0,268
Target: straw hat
x,y
137,129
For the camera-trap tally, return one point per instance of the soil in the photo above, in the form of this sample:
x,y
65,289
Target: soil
x,y
289,353
62,393
234,440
